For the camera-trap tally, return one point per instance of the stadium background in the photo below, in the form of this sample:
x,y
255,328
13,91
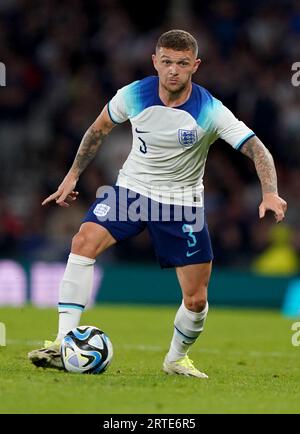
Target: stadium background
x,y
64,60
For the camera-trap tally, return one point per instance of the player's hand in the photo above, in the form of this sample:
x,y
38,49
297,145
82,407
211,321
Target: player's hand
x,y
65,194
272,202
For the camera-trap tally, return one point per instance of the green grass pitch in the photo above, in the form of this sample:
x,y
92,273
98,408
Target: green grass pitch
x,y
248,355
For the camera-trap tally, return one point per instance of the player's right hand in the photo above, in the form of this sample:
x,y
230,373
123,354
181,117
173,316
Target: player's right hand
x,y
65,194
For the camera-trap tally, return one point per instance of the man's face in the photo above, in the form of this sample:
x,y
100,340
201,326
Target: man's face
x,y
175,68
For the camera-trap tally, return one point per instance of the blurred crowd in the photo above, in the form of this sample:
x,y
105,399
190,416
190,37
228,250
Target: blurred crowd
x,y
66,58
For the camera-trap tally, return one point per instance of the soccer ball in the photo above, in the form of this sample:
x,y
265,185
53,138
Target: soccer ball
x,y
86,350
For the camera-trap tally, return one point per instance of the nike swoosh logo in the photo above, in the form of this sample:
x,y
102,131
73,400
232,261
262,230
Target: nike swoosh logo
x,y
140,131
188,254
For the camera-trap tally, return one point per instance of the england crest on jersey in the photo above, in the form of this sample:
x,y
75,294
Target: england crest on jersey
x,y
187,137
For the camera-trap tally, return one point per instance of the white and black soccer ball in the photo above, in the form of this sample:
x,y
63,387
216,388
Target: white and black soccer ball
x,y
86,350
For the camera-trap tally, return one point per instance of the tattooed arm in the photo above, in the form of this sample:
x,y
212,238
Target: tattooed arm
x,y
87,150
266,172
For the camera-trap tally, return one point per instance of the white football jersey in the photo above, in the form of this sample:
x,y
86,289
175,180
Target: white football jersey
x,y
170,144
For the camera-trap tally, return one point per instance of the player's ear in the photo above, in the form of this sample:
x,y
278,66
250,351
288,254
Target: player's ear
x,y
154,60
196,65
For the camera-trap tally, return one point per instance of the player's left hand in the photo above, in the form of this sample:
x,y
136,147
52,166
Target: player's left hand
x,y
272,202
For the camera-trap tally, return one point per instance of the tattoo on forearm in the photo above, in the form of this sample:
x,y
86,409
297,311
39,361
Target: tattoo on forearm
x,y
264,164
88,148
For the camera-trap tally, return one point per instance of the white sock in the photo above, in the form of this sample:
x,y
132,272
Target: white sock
x,y
187,327
74,291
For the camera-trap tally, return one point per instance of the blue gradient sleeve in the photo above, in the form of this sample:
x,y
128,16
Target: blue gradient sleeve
x,y
126,103
218,119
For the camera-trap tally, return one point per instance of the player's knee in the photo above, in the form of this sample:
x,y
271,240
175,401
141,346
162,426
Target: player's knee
x,y
82,245
195,303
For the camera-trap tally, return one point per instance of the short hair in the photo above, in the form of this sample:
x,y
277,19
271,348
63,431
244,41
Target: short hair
x,y
178,40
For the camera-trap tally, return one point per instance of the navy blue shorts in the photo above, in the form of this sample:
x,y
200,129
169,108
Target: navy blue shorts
x,y
179,234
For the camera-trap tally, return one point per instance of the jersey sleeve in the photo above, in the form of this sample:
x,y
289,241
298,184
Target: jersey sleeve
x,y
125,103
227,127
117,108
